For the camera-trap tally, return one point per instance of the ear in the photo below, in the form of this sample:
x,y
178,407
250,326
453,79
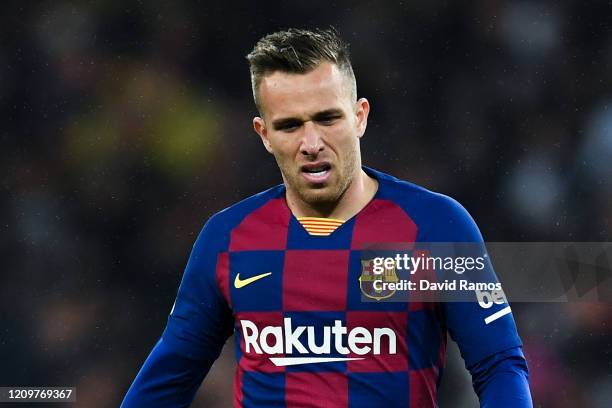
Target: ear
x,y
260,128
362,109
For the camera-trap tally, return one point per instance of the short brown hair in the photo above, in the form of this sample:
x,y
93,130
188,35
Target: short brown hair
x,y
298,51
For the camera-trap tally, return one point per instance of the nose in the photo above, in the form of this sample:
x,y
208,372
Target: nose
x,y
312,143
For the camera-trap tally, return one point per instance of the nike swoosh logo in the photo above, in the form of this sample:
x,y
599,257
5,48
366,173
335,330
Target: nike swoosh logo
x,y
239,283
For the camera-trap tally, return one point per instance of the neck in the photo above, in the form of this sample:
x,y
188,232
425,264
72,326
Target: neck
x,y
354,199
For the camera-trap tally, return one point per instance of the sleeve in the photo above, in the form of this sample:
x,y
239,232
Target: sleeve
x,y
200,321
166,379
483,328
502,380
198,326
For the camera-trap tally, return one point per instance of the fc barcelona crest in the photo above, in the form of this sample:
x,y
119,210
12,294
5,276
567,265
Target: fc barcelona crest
x,y
376,291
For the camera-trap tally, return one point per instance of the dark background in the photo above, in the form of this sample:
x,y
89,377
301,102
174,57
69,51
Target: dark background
x,y
125,125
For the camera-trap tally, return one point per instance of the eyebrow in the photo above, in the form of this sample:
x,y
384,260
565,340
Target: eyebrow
x,y
295,121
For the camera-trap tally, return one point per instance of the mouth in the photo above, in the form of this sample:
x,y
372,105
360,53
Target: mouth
x,y
316,172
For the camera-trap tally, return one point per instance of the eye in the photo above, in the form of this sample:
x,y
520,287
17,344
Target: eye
x,y
328,120
289,128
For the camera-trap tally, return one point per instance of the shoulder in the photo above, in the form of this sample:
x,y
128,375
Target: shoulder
x,y
221,224
413,196
231,216
438,216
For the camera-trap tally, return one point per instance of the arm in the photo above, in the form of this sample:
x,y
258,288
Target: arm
x,y
491,350
501,380
198,326
167,379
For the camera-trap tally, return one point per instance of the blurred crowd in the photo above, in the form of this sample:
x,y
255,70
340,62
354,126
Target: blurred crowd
x,y
125,125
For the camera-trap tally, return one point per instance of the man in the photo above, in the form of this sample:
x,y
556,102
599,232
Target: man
x,y
280,270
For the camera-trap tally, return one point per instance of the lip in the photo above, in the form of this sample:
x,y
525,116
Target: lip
x,y
314,178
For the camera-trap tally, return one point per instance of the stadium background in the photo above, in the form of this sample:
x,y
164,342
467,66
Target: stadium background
x,y
126,124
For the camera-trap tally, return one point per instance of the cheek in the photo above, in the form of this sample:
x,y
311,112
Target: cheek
x,y
346,142
284,148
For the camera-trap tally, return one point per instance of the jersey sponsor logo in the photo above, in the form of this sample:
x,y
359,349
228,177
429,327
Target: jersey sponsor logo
x,y
285,340
487,299
240,283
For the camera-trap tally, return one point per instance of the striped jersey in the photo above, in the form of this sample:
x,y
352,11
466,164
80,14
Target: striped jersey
x,y
289,291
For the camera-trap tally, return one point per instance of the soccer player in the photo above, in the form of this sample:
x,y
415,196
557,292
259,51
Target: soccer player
x,y
280,270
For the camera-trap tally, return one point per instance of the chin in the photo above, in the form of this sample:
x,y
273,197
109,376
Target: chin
x,y
314,196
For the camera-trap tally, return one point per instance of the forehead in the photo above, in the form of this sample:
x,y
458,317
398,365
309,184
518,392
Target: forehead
x,y
283,94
